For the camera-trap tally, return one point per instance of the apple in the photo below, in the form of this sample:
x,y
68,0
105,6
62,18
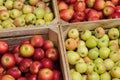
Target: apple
x,y
109,64
41,4
115,2
114,46
70,44
115,78
18,22
48,17
114,15
26,50
70,1
57,75
98,60
4,47
108,10
30,18
105,76
9,4
18,58
62,5
104,52
109,3
81,67
8,60
48,44
76,75
33,2
7,77
45,74
46,0
90,67
80,5
37,40
40,22
27,9
22,78
39,12
32,77
4,14
99,4
82,51
65,14
93,53
92,15
93,76
18,5
2,69
14,71
113,33
24,65
47,63
1,2
101,15
114,56
52,53
91,42
14,13
115,72
35,67
87,59
85,35
100,68
3,8
99,32
90,3
80,43
117,9
73,33
73,57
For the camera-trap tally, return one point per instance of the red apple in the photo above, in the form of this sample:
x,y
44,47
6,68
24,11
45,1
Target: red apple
x,y
26,50
93,18
79,15
109,3
74,20
114,15
117,9
65,14
35,66
8,60
14,71
52,53
99,4
80,5
115,2
72,1
16,49
37,40
32,77
41,4
3,47
48,44
1,75
101,15
57,75
18,58
47,63
2,69
25,65
87,10
90,3
38,54
62,5
108,10
22,78
45,74
92,14
26,42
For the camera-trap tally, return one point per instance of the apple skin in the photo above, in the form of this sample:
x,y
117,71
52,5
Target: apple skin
x,y
14,71
109,64
113,33
86,34
14,13
47,63
45,74
79,6
2,69
109,3
48,44
99,32
25,64
26,50
4,47
92,13
18,5
7,77
57,75
81,67
115,72
37,40
108,10
9,4
18,57
115,2
4,14
114,15
117,9
39,12
27,9
32,77
90,3
30,18
35,66
62,5
33,2
99,4
73,33
39,54
20,21
52,53
8,60
22,78
100,68
41,4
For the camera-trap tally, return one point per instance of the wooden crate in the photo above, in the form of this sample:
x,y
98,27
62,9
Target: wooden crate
x,y
81,27
16,36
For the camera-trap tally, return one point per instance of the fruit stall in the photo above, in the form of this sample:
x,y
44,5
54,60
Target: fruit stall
x,y
59,39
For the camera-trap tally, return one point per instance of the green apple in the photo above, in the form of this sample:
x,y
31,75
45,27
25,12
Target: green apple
x,y
112,42
115,79
5,23
93,76
87,59
9,4
119,41
20,21
39,12
18,5
109,64
117,63
76,75
100,68
103,41
40,22
73,33
113,45
30,18
27,9
4,14
72,70
113,33
99,32
93,53
46,0
11,25
98,61
1,2
91,42
84,77
104,52
14,13
72,57
33,2
82,50
48,9
81,67
1,27
114,56
90,67
48,16
85,35
81,43
105,76
70,44
115,72
3,8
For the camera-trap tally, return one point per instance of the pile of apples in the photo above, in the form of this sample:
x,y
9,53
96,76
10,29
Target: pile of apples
x,y
32,59
18,13
88,10
94,55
